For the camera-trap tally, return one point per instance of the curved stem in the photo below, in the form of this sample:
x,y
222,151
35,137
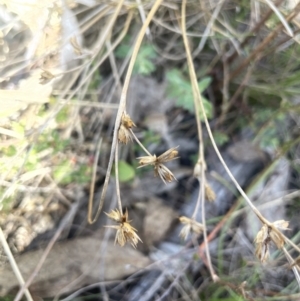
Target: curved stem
x,y
91,220
196,93
122,104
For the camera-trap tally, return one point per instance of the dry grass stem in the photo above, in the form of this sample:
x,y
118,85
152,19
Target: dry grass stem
x,y
125,232
14,264
280,17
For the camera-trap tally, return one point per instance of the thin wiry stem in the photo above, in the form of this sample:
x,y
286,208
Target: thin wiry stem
x,y
14,264
197,99
249,202
117,78
254,30
94,173
139,142
143,17
122,104
291,261
91,220
207,253
117,179
280,17
209,26
257,52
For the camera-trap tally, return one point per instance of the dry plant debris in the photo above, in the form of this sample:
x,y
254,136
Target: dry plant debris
x,y
268,234
209,193
190,225
125,232
124,134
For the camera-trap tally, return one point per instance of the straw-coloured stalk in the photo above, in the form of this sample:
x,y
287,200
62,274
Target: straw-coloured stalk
x,y
125,232
159,168
190,225
267,234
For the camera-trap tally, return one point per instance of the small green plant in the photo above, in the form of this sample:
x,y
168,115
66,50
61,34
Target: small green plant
x,y
220,138
144,62
180,88
267,125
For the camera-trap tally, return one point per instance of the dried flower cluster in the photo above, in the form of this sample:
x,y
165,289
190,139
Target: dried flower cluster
x,y
190,225
124,134
159,168
125,232
267,234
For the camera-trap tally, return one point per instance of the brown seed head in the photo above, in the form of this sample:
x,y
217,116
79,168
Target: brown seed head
x,y
275,235
116,216
281,224
127,122
124,134
169,155
268,234
209,193
159,169
125,232
277,238
164,173
262,241
147,160
130,235
190,225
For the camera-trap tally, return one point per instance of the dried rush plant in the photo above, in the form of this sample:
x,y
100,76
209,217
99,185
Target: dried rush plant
x,y
270,231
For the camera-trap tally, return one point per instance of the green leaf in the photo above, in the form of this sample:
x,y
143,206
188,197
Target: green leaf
x,y
126,171
204,83
220,138
181,89
143,64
